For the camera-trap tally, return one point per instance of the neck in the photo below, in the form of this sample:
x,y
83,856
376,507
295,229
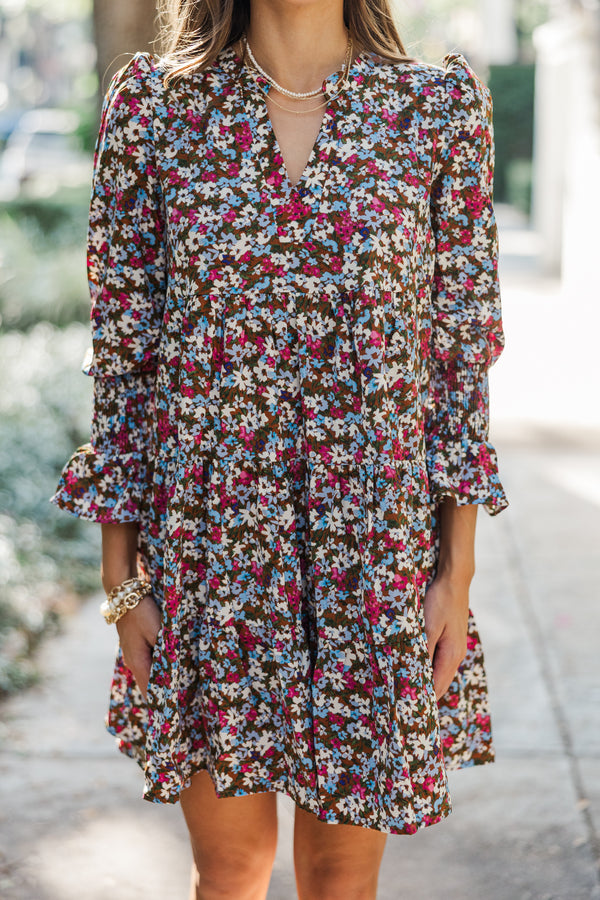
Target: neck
x,y
298,43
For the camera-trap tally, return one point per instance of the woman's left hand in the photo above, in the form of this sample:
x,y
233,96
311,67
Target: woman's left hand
x,y
446,609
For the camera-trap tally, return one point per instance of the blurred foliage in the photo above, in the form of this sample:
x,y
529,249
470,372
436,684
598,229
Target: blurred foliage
x,y
87,113
519,179
46,555
62,10
429,30
42,268
512,88
528,15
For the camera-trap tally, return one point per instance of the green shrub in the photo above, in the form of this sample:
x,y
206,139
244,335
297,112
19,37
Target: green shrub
x,y
519,174
512,88
46,555
43,273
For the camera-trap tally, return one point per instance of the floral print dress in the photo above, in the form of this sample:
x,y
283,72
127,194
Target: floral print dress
x,y
287,381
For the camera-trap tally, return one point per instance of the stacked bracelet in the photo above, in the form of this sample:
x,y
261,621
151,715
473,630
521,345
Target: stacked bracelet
x,y
123,598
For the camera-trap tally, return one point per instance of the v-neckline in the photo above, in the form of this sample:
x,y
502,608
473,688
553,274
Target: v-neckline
x,y
279,166
274,170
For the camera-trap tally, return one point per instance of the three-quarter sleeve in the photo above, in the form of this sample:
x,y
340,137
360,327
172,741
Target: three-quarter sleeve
x,y
466,320
105,479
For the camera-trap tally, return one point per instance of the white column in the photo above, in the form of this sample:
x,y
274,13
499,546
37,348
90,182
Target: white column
x,y
581,222
499,35
566,188
552,121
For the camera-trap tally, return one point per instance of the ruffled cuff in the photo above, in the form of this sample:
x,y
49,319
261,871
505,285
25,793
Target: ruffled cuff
x,y
461,462
467,471
459,401
124,415
100,487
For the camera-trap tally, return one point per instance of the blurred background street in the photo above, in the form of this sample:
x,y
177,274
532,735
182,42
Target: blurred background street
x,y
72,822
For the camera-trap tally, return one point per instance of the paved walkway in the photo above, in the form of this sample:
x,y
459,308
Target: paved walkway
x,y
73,826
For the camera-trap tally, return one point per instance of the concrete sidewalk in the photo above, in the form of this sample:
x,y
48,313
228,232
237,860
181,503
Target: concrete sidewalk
x,y
72,822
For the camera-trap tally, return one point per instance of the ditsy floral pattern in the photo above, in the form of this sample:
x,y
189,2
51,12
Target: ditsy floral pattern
x,y
287,381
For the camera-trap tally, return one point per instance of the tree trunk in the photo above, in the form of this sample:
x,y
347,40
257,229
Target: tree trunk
x,y
121,27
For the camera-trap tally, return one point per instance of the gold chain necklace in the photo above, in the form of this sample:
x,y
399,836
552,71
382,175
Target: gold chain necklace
x,y
296,112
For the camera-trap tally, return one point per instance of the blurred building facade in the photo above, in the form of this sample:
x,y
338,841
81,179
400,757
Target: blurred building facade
x,y
567,141
46,53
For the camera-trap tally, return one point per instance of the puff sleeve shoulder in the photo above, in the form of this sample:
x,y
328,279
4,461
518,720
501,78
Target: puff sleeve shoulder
x,y
466,320
105,479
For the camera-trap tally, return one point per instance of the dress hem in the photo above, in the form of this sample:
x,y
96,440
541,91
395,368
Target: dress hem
x,y
285,788
322,815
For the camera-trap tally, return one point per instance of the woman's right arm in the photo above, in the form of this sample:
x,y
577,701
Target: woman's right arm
x,y
108,480
139,627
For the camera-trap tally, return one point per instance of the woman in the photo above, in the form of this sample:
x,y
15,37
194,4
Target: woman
x,y
295,304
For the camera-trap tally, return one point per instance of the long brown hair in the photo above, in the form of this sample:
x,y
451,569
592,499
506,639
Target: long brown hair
x,y
193,32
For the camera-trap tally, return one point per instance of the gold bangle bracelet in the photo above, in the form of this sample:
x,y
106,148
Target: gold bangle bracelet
x,y
124,597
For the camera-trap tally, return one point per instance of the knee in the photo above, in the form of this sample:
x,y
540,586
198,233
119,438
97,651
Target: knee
x,y
235,873
327,879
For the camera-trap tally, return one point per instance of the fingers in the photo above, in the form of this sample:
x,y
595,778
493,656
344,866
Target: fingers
x,y
433,636
443,673
142,678
137,638
443,660
149,631
139,661
447,659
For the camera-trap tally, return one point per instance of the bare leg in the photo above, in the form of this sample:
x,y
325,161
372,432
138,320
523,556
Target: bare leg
x,y
335,862
233,839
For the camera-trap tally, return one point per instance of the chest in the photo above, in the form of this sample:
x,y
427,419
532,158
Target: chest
x,y
256,195
296,134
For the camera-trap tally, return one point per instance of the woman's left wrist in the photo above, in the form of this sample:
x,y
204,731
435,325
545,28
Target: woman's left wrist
x,y
458,572
124,597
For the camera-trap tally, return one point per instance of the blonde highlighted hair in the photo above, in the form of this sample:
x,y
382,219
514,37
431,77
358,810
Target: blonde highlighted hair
x,y
193,32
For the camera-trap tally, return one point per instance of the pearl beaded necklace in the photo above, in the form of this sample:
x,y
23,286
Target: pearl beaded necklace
x,y
299,95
